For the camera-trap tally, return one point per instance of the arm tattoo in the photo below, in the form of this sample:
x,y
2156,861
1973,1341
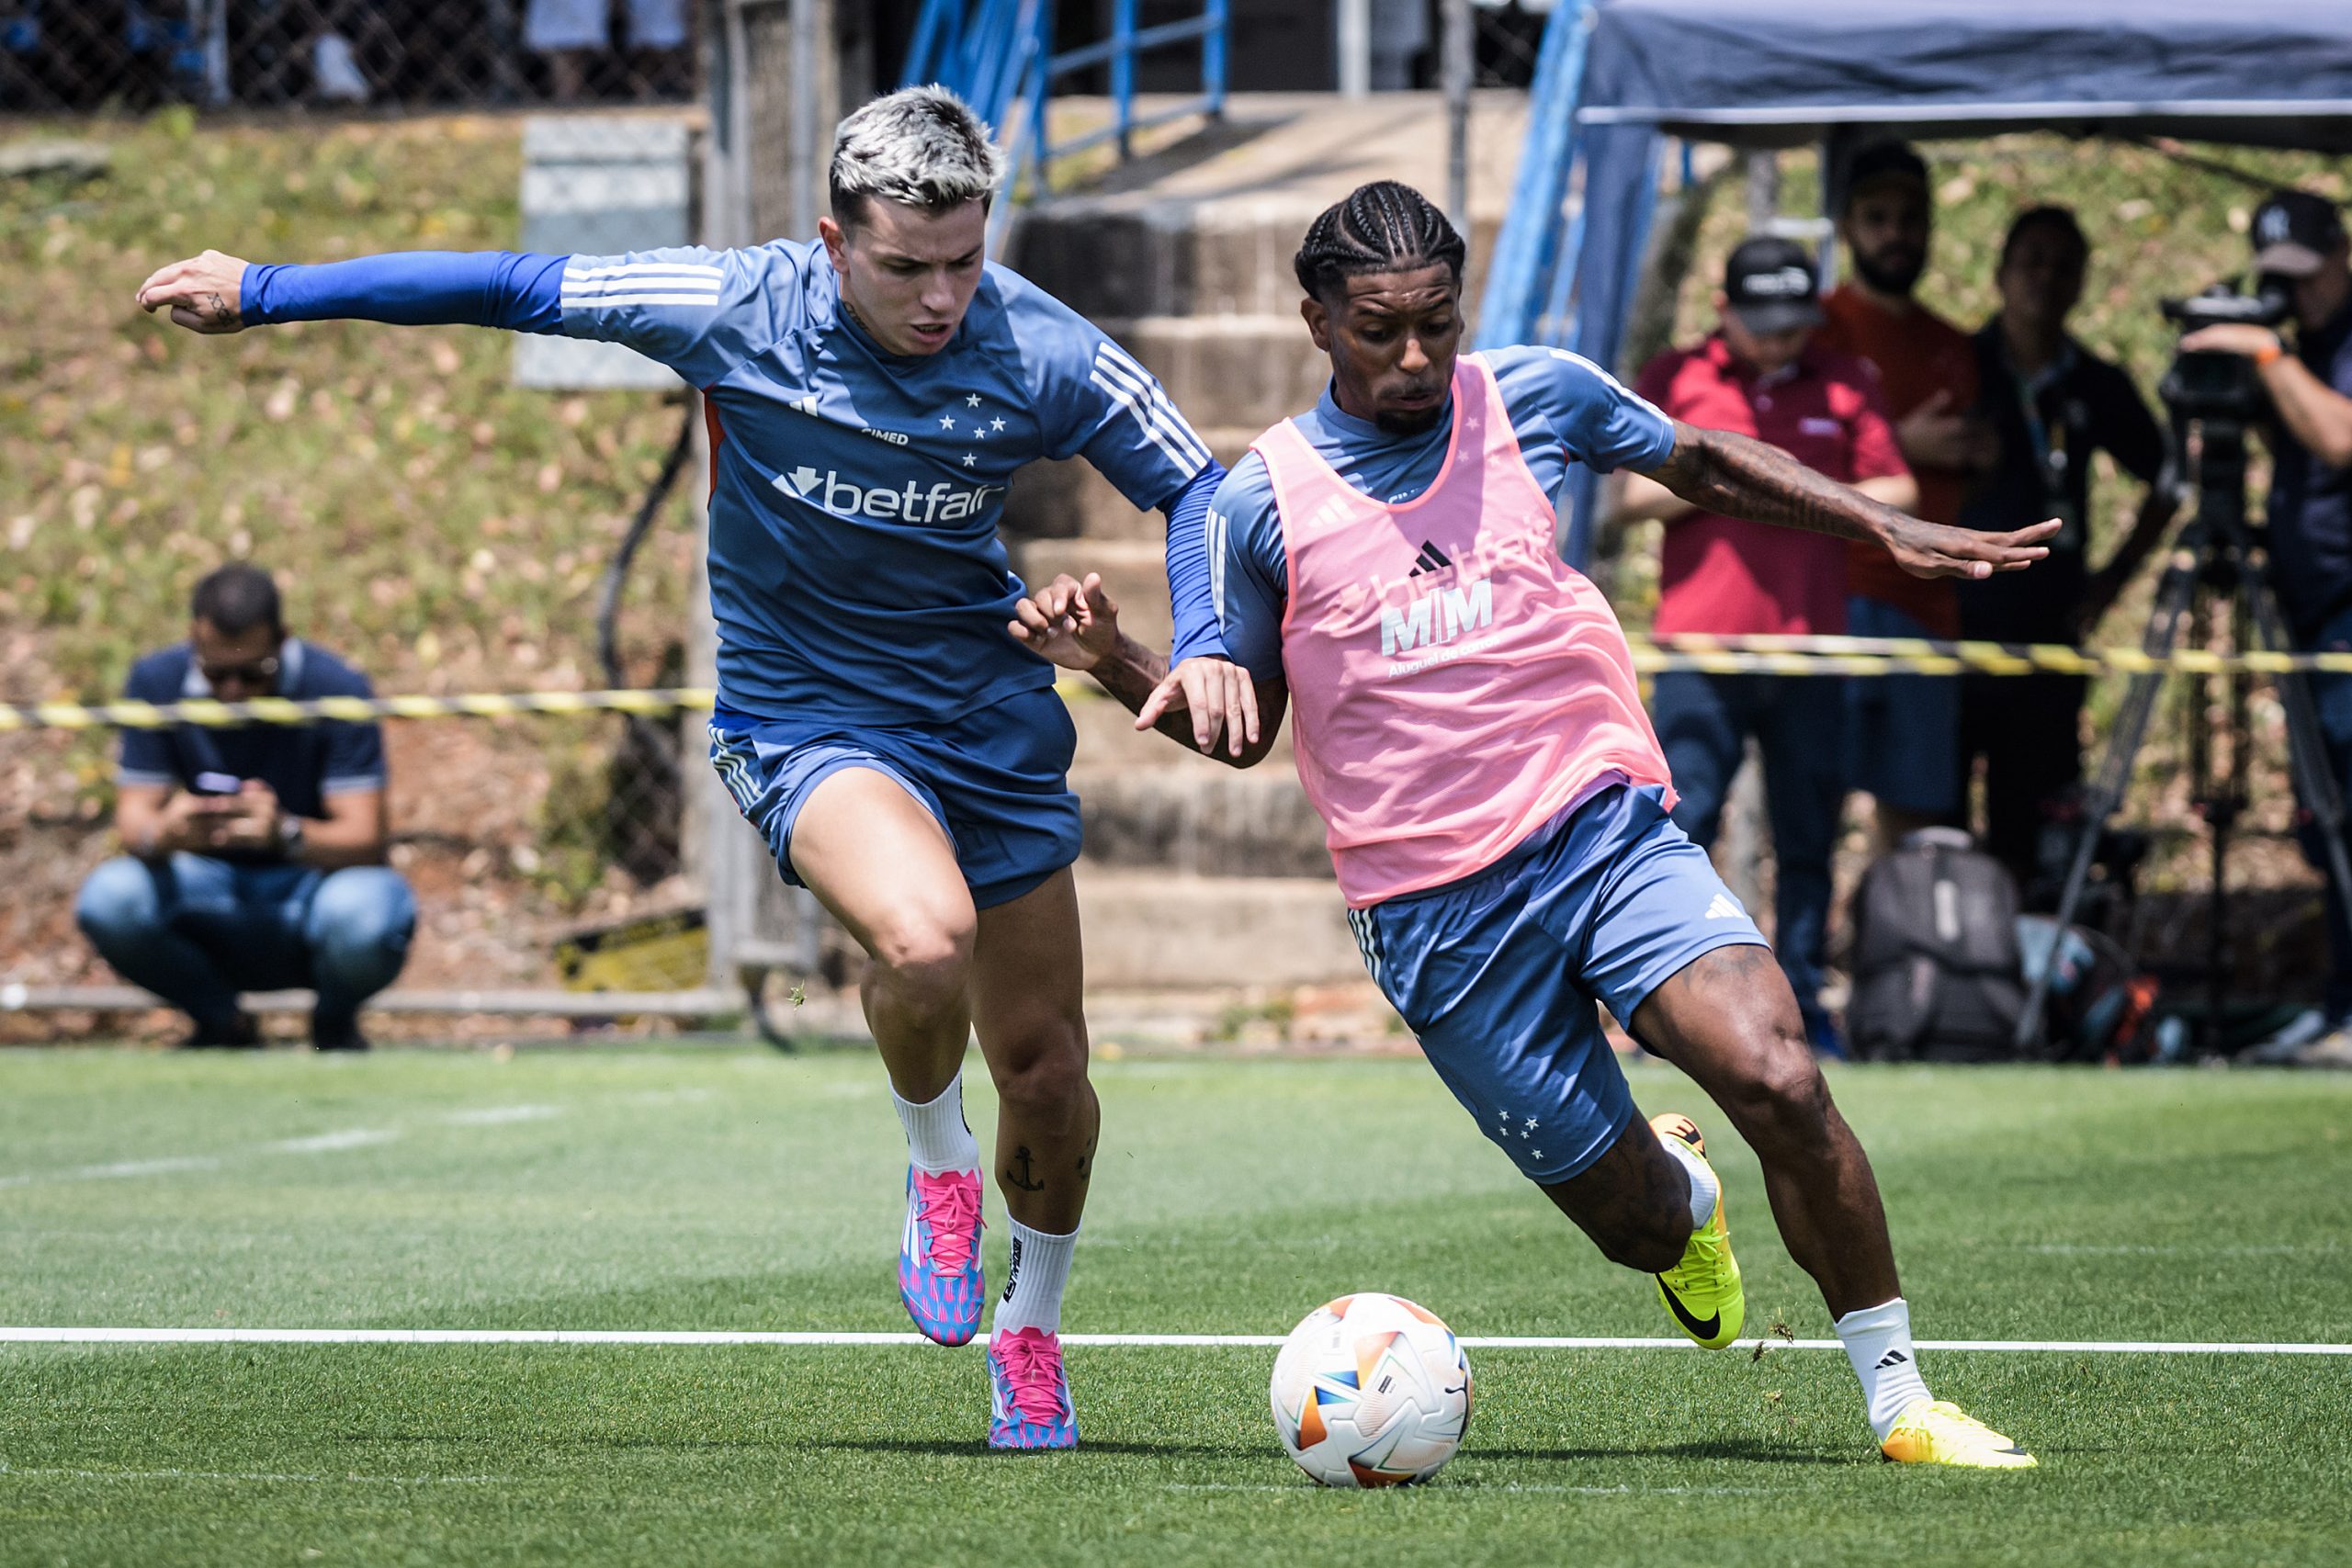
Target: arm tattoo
x,y
1738,477
1131,671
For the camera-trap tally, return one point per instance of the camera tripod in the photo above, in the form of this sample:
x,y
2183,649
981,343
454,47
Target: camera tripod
x,y
2211,566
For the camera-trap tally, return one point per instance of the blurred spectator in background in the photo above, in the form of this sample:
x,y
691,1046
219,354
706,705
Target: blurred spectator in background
x,y
255,852
2300,246
571,33
2049,403
1760,375
1902,731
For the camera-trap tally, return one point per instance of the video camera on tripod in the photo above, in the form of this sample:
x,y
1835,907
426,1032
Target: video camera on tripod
x,y
2207,385
2212,399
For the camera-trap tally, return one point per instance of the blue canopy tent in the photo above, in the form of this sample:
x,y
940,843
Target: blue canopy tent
x,y
1616,78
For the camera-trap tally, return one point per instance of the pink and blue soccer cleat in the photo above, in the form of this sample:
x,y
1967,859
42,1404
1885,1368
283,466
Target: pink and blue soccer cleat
x,y
939,1259
1028,1391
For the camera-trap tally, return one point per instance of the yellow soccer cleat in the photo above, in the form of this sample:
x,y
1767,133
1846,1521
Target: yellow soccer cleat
x,y
1702,1292
1936,1432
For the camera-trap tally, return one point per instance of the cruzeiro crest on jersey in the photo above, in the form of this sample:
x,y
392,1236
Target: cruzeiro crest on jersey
x,y
892,473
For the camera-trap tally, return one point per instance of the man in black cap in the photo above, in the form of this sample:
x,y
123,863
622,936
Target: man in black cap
x,y
2299,245
1761,375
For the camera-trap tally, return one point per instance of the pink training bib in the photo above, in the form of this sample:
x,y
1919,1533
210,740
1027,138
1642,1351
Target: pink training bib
x,y
1453,682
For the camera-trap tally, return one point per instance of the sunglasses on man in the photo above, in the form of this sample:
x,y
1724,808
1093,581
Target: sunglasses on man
x,y
253,673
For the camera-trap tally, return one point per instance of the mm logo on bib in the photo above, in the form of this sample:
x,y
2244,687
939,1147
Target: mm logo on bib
x,y
1436,618
943,503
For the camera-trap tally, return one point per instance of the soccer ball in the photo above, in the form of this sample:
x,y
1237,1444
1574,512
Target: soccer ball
x,y
1371,1391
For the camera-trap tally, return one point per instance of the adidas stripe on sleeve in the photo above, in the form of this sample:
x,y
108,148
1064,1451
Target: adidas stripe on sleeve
x,y
698,311
1096,401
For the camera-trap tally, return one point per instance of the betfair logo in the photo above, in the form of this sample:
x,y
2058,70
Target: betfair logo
x,y
1434,619
943,503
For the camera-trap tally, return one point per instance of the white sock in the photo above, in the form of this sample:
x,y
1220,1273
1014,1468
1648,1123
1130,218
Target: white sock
x,y
1705,1188
938,1139
1034,1280
1878,1341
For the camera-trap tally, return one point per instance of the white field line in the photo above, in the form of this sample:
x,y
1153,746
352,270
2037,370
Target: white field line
x,y
111,1336
335,1141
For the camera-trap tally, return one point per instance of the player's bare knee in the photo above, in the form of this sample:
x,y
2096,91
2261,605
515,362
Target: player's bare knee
x,y
926,963
1781,1100
1042,1072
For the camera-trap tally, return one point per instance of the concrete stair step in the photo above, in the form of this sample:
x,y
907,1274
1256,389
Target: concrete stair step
x,y
1069,500
1245,372
1203,818
1147,928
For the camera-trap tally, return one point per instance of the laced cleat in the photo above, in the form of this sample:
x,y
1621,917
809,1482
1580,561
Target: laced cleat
x,y
1936,1432
1029,1393
939,1259
1702,1292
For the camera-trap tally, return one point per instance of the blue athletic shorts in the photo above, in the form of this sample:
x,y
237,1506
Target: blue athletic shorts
x,y
996,779
1498,974
1902,731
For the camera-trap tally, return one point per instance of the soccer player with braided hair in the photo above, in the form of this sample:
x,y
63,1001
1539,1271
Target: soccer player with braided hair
x,y
1496,804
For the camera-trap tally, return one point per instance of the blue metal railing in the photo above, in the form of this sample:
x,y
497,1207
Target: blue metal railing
x,y
1529,283
998,55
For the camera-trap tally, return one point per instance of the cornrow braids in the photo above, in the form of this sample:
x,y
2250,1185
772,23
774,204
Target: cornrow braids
x,y
1382,227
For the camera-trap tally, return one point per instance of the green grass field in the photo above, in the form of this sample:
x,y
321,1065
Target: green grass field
x,y
733,1190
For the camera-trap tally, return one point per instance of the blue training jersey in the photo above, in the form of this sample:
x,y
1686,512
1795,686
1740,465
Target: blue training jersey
x,y
856,572
1564,409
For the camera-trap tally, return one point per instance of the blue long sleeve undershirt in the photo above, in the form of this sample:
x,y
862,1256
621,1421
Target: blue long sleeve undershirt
x,y
524,292
519,291
1197,633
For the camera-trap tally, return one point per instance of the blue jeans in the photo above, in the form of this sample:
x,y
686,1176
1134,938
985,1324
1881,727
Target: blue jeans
x,y
1799,722
196,931
2332,695
1902,731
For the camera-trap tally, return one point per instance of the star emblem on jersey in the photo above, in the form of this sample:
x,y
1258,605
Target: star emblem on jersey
x,y
996,424
969,459
973,401
947,421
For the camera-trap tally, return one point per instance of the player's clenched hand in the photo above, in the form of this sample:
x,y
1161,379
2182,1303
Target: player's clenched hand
x,y
1218,694
1933,549
203,293
1074,624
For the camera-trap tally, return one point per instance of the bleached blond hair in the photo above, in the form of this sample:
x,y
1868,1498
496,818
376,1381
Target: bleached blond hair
x,y
920,147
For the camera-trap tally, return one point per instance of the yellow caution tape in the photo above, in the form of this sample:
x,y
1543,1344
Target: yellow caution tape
x,y
1708,655
650,702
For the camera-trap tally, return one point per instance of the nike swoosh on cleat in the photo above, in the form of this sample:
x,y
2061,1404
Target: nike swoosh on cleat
x,y
1706,1328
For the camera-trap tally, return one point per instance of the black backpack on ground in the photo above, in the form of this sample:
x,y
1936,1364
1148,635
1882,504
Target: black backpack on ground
x,y
1938,977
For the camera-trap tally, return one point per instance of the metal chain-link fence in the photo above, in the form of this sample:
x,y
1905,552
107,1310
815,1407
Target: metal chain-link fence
x,y
72,55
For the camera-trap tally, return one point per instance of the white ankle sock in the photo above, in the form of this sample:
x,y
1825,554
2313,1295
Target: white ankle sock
x,y
1705,1188
1034,1280
938,1140
1878,1341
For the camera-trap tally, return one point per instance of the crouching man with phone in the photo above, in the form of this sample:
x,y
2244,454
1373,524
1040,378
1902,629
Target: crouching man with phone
x,y
255,852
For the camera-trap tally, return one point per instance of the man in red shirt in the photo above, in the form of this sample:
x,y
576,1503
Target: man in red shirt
x,y
1761,376
1902,731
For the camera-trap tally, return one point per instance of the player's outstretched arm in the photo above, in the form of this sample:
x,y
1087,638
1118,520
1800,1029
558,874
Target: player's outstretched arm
x,y
1076,624
1740,476
216,293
